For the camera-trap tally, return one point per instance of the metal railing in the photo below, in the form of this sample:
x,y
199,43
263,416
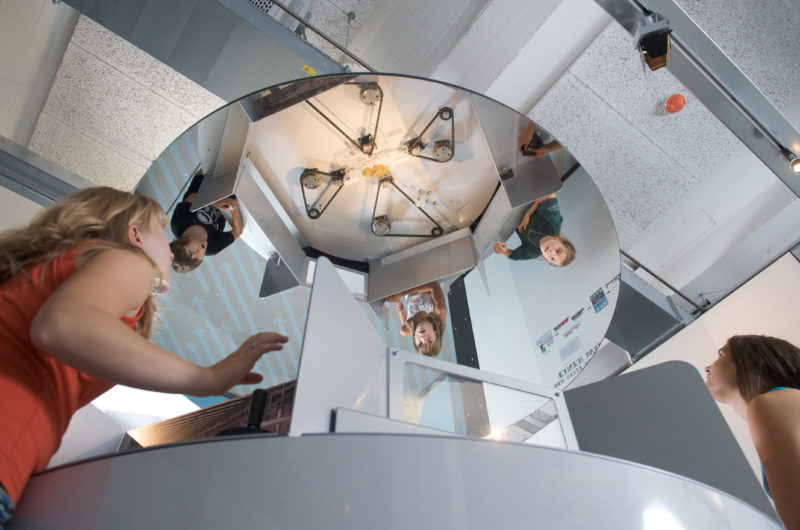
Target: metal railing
x,y
319,32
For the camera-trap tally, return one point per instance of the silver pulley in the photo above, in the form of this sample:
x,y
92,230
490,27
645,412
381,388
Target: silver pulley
x,y
381,225
310,179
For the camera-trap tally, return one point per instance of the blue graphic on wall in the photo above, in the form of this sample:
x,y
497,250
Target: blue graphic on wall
x,y
599,300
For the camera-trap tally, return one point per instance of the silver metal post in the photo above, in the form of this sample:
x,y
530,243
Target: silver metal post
x,y
662,280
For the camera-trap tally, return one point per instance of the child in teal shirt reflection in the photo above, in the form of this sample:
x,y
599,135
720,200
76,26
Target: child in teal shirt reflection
x,y
539,232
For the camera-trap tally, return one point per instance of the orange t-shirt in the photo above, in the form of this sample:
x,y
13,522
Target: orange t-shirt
x,y
38,394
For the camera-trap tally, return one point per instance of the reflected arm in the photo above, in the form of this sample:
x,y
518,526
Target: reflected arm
x,y
523,253
425,288
546,149
774,422
237,222
403,318
231,204
439,303
537,202
526,135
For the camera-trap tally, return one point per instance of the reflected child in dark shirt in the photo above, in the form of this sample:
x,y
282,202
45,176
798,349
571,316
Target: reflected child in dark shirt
x,y
201,232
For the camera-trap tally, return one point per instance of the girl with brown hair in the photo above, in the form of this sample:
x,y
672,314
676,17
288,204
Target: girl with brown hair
x,y
759,377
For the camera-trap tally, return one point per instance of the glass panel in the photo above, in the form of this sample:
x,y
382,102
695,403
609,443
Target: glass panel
x,y
467,407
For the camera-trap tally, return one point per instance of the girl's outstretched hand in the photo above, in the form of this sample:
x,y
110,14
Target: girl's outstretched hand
x,y
235,369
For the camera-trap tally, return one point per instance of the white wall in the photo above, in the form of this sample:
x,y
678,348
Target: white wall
x,y
737,199
98,428
17,211
767,305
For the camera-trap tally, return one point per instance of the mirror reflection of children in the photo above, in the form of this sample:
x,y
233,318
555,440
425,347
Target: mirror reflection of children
x,y
760,378
531,145
77,308
424,317
201,232
539,232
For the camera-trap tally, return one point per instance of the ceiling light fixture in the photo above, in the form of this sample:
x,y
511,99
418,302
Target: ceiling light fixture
x,y
794,163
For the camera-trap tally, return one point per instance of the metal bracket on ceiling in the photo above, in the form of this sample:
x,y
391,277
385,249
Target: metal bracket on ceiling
x,y
311,179
651,39
382,226
369,94
443,150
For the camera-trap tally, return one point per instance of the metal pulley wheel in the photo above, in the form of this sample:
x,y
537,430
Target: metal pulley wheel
x,y
310,179
414,147
367,144
381,225
370,94
443,150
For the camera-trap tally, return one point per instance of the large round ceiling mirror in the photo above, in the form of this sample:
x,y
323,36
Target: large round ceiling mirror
x,y
467,232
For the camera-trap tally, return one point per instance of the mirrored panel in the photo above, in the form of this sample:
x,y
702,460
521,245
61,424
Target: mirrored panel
x,y
448,402
445,212
540,322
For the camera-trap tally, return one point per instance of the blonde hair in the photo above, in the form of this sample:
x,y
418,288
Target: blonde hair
x,y
100,214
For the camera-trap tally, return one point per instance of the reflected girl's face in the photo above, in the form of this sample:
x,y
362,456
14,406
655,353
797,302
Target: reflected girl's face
x,y
721,376
424,334
553,250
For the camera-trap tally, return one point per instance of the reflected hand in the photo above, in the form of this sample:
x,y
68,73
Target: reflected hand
x,y
533,153
227,204
235,369
501,248
525,220
524,138
392,298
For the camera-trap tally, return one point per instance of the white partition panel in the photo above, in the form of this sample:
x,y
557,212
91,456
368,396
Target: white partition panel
x,y
343,362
